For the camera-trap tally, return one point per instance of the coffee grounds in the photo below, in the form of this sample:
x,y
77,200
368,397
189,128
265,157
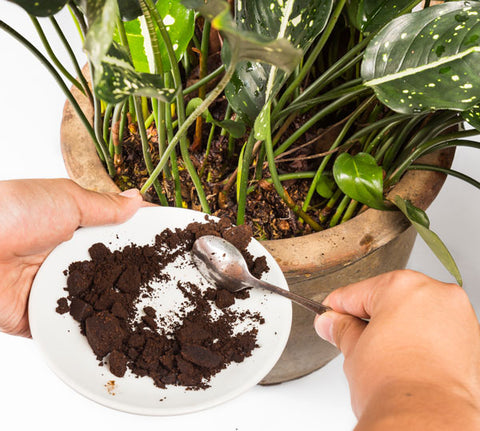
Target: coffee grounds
x,y
104,294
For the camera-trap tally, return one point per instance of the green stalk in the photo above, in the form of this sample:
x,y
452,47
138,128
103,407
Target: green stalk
x,y
336,143
52,55
242,178
80,29
451,172
146,149
114,143
352,206
207,150
177,80
285,177
279,187
365,131
123,122
339,211
101,149
73,59
312,57
201,82
317,117
188,122
443,141
173,155
106,124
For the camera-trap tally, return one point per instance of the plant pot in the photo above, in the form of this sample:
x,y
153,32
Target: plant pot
x,y
372,243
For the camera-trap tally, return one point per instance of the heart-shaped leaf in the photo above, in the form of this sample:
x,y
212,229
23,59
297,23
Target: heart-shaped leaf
x,y
427,60
298,21
472,117
101,17
360,178
325,185
41,7
421,223
116,79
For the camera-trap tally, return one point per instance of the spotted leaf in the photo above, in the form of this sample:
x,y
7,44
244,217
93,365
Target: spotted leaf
x,y
472,117
427,60
298,21
41,7
371,15
180,24
116,79
101,17
421,223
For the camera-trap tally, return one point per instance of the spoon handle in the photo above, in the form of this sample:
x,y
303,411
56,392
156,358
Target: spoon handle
x,y
314,306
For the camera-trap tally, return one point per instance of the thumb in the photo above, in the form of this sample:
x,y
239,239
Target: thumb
x,y
342,330
107,208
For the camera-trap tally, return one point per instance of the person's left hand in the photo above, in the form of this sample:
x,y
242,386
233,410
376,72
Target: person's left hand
x,y
35,217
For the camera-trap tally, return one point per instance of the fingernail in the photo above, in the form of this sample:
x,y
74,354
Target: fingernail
x,y
130,193
324,327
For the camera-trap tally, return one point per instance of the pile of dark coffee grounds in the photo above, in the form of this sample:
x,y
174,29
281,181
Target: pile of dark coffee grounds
x,y
107,296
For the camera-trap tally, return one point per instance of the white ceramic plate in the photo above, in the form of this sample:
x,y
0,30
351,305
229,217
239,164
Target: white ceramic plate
x,y
71,358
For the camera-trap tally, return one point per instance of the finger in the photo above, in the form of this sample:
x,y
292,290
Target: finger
x,y
365,298
107,208
341,330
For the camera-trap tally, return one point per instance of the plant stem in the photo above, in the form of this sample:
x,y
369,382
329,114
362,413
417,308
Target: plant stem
x,y
352,206
106,124
201,82
188,122
52,55
177,80
451,172
339,211
285,177
312,57
115,142
443,141
146,149
242,179
317,117
278,185
336,143
73,59
77,23
207,150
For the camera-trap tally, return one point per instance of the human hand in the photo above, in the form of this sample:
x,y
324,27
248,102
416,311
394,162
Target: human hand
x,y
36,216
417,362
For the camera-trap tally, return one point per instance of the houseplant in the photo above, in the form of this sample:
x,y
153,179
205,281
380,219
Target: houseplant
x,y
325,88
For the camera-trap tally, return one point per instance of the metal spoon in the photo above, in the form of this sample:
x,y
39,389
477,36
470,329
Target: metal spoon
x,y
221,263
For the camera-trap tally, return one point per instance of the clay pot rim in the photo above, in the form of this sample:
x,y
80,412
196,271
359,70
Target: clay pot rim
x,y
329,249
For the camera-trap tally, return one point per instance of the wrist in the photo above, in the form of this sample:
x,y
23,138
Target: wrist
x,y
420,406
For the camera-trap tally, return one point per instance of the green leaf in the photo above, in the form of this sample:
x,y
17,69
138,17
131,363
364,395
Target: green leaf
x,y
421,223
325,185
180,24
262,123
427,60
41,7
298,21
116,79
372,15
239,170
472,117
360,178
101,17
235,128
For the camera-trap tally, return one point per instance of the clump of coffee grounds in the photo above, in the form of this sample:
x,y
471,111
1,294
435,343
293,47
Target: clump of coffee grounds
x,y
104,294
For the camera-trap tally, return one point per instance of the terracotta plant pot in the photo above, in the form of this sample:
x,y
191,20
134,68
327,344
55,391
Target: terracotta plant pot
x,y
372,243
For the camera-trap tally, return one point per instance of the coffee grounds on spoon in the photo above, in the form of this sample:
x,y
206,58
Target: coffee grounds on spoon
x,y
104,296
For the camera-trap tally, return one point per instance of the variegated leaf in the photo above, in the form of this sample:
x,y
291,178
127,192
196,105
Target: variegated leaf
x,y
116,79
427,60
101,17
472,117
41,7
298,21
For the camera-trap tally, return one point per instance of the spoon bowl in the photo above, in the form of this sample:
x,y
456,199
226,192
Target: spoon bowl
x,y
221,263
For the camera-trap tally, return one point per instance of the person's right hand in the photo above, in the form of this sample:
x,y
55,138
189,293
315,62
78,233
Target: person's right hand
x,y
416,364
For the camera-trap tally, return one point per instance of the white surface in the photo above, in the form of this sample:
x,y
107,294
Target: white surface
x,y
69,355
31,395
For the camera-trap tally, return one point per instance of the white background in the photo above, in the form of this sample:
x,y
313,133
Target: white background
x,y
32,396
